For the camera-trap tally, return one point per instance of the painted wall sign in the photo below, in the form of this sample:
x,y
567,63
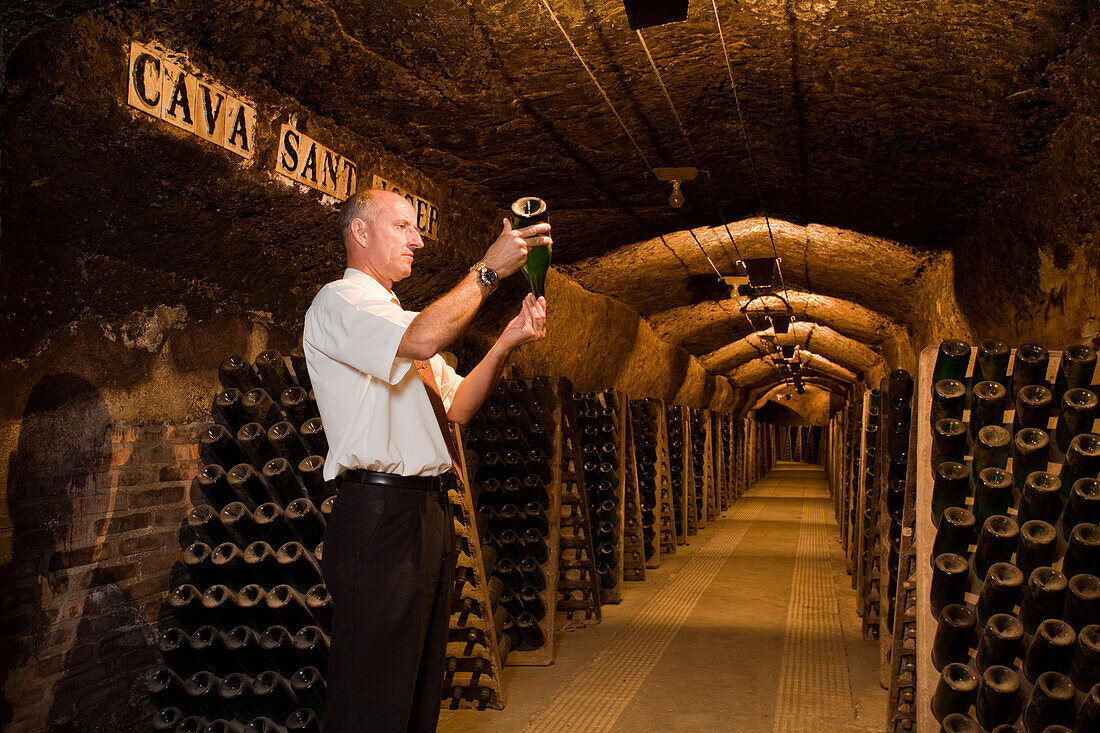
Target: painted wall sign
x,y
427,214
304,160
164,85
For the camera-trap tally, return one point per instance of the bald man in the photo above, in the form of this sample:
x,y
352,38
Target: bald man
x,y
385,396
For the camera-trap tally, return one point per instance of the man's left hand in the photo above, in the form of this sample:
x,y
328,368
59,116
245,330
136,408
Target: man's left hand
x,y
529,325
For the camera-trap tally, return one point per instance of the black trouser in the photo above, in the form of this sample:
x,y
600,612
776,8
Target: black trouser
x,y
389,565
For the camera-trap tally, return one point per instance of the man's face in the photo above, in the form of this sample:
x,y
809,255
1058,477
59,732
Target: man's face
x,y
392,239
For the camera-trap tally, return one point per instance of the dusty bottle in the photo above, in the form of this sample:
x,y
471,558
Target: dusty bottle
x,y
167,720
998,699
313,433
1083,551
948,441
1051,649
950,576
1076,368
271,523
202,695
261,408
948,400
1037,546
218,446
227,409
950,487
530,631
235,692
1082,461
243,646
992,362
239,524
954,532
278,645
312,644
1030,366
1082,601
959,723
1030,450
185,603
987,406
951,361
1044,597
1079,409
298,566
1088,716
274,694
167,688
309,688
196,560
1001,591
252,602
274,374
238,373
306,521
956,691
229,565
1042,498
220,604
527,211
253,439
954,635
1051,702
1000,643
1084,669
248,485
297,405
992,493
212,484
1033,406
287,443
995,543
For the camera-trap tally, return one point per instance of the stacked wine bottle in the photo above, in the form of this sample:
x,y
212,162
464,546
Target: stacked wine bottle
x,y
723,458
578,582
516,437
679,461
654,479
898,512
634,562
602,440
701,466
870,556
246,634
1009,628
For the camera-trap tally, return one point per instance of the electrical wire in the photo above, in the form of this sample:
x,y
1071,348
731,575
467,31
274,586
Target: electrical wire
x,y
748,144
603,94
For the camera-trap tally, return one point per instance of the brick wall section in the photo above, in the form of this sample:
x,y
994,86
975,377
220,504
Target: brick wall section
x,y
83,593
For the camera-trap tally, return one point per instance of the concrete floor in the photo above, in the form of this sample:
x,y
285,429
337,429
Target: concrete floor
x,y
750,627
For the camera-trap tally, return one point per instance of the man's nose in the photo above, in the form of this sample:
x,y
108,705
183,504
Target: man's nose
x,y
416,242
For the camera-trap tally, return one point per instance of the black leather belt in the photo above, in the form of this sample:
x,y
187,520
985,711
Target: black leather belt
x,y
377,478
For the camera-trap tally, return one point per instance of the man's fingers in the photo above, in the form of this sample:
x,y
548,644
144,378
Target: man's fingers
x,y
507,226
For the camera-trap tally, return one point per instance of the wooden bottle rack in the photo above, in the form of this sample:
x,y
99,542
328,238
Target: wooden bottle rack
x,y
633,545
925,531
578,584
652,412
466,537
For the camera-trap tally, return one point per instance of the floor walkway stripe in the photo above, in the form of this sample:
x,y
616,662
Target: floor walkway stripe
x,y
596,697
814,689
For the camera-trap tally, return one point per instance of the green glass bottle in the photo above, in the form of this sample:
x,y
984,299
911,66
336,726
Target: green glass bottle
x,y
527,211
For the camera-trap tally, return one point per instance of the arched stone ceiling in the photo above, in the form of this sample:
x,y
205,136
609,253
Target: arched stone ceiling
x,y
892,124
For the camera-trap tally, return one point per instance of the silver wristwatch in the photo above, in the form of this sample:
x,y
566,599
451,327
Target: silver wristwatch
x,y
487,276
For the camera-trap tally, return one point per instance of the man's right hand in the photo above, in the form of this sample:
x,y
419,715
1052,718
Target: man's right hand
x,y
509,252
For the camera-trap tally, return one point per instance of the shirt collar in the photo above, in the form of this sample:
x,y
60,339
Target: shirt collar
x,y
372,286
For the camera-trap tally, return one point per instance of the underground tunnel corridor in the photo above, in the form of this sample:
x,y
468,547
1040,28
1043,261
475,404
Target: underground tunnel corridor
x,y
751,627
823,310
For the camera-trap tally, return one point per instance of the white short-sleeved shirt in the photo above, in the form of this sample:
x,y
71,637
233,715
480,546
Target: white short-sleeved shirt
x,y
374,406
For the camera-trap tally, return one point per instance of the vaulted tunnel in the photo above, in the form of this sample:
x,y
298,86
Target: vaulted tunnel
x,y
922,171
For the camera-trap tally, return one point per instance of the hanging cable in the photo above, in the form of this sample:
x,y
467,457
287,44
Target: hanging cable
x,y
748,145
692,233
598,86
668,98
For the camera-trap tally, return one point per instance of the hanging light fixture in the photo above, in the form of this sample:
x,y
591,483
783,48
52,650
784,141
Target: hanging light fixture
x,y
676,176
647,13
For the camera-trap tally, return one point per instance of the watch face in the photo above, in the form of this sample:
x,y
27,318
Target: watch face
x,y
488,276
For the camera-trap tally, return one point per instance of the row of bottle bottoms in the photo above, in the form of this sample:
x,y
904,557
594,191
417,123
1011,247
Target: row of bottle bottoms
x,y
278,480
238,698
301,521
244,648
996,697
1030,366
252,605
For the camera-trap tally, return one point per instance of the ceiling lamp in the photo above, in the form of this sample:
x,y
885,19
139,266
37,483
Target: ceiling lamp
x,y
788,350
781,323
647,13
676,176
